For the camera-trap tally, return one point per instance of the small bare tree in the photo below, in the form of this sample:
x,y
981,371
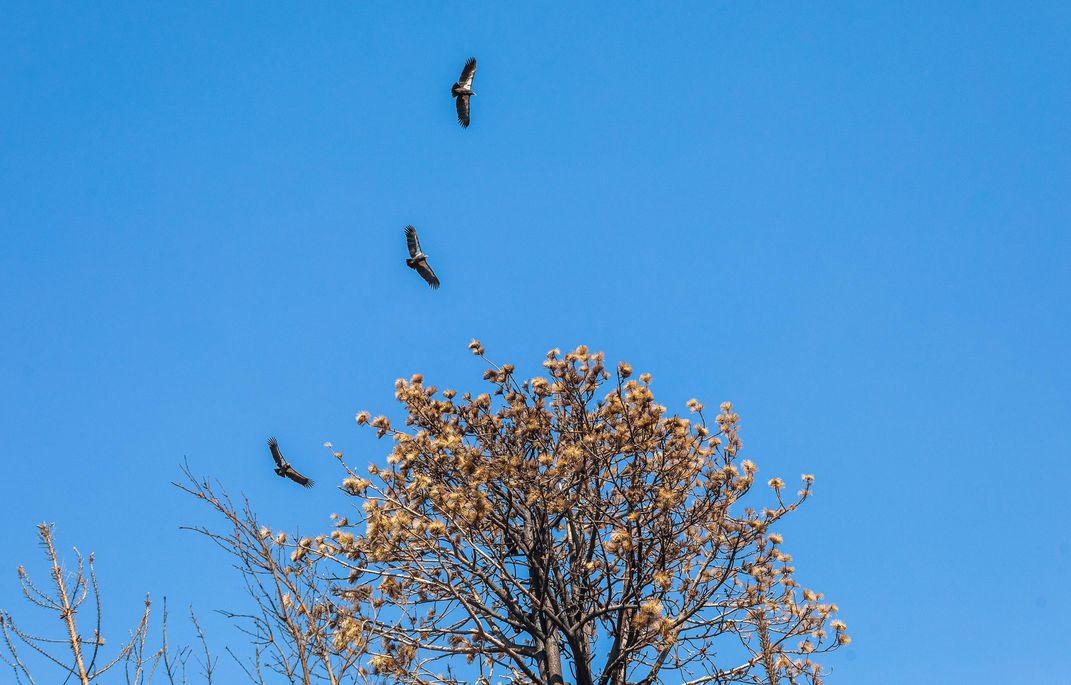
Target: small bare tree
x,y
71,589
77,654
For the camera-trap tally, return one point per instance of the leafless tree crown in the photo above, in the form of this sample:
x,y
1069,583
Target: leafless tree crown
x,y
79,654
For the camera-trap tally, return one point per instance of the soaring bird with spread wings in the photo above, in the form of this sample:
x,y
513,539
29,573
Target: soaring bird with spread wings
x,y
417,259
462,91
283,469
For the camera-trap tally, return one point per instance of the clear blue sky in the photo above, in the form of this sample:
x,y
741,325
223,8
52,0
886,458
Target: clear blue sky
x,y
851,219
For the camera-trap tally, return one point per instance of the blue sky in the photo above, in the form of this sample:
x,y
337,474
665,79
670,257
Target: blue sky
x,y
851,219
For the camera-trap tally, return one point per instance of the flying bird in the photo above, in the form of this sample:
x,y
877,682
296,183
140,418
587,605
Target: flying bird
x,y
283,469
417,259
462,90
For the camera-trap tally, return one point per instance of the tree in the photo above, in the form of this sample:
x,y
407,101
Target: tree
x,y
562,528
78,654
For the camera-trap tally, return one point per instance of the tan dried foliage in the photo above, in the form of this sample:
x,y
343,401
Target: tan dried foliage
x,y
569,526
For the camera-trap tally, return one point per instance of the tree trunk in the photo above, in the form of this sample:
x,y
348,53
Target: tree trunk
x,y
67,608
551,666
550,657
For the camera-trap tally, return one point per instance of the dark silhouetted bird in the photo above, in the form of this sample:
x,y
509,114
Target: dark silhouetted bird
x,y
283,469
417,259
462,91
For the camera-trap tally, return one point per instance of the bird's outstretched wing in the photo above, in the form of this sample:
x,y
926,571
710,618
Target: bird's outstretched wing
x,y
273,445
465,81
463,110
427,274
298,478
412,241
